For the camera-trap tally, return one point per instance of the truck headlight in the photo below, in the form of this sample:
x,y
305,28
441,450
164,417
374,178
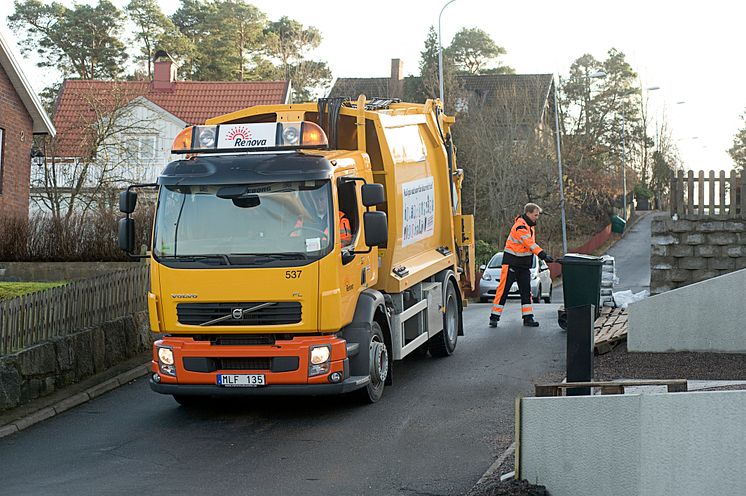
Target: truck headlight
x,y
319,360
166,361
320,354
166,356
486,277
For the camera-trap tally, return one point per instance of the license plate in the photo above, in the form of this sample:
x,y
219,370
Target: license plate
x,y
241,380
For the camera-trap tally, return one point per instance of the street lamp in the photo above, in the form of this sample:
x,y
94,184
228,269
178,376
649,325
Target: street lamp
x,y
440,53
595,75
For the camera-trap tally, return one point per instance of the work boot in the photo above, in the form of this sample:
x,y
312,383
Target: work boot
x,y
530,322
494,319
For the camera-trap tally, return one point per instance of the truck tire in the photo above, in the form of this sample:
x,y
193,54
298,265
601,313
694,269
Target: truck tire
x,y
443,344
379,366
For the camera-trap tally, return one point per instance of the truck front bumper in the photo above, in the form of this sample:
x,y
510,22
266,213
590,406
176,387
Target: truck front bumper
x,y
350,384
283,365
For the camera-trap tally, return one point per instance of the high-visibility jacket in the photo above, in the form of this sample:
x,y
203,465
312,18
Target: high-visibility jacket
x,y
521,245
345,232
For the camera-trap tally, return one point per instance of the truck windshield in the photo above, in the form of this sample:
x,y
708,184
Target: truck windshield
x,y
265,221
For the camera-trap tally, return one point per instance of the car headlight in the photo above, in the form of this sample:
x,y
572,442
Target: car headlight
x,y
320,354
486,277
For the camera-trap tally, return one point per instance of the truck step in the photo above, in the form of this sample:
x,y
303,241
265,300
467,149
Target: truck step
x,y
352,349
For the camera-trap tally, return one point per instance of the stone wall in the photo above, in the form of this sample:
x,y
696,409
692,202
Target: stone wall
x,y
63,360
685,251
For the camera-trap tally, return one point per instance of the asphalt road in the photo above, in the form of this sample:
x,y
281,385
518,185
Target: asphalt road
x,y
632,257
435,432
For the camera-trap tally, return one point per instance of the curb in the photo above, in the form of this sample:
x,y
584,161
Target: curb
x,y
74,400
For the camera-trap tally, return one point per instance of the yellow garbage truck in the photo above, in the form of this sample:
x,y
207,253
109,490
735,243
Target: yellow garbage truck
x,y
304,248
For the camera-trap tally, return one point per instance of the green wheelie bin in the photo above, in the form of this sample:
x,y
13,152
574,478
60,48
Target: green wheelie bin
x,y
581,280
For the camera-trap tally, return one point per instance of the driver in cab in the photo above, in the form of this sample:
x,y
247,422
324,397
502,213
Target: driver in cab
x,y
318,220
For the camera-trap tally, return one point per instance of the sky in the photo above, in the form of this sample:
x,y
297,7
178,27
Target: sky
x,y
692,51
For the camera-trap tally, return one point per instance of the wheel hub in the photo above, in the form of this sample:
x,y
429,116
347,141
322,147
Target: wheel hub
x,y
379,362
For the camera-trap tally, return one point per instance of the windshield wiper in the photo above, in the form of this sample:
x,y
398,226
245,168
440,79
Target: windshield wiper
x,y
199,258
274,256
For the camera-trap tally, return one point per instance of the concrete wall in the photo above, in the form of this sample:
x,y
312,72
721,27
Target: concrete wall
x,y
683,444
59,271
41,369
706,316
688,251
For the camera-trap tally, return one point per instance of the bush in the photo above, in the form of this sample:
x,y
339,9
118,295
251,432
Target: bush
x,y
642,191
81,238
483,252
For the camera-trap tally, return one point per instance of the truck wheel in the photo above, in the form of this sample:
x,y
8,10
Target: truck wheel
x,y
190,401
443,344
379,365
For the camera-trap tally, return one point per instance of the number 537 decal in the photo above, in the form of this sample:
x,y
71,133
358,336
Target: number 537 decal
x,y
292,274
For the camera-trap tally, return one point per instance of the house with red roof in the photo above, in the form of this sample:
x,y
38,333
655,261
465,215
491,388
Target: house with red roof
x,y
21,117
126,128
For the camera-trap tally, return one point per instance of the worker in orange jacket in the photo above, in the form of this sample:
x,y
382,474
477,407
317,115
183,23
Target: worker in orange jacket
x,y
520,247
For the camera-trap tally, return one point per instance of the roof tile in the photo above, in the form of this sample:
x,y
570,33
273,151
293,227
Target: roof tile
x,y
191,101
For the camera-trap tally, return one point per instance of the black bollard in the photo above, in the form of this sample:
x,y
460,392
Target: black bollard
x,y
580,322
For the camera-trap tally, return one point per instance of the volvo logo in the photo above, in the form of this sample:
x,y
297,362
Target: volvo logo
x,y
179,296
237,313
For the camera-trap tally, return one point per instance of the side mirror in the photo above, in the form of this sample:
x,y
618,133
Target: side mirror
x,y
373,194
127,201
376,228
482,267
127,234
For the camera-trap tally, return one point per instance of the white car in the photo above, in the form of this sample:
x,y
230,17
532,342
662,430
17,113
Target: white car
x,y
541,281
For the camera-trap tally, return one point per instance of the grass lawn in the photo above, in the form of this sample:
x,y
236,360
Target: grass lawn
x,y
12,289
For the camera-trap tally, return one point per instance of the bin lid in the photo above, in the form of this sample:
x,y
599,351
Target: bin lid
x,y
581,259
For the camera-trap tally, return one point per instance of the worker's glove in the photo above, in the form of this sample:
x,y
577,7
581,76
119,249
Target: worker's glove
x,y
545,256
549,259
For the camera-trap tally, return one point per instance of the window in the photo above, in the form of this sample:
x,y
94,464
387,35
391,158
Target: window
x,y
348,207
2,149
148,145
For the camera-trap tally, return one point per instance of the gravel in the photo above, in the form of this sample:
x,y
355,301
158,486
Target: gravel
x,y
493,487
622,364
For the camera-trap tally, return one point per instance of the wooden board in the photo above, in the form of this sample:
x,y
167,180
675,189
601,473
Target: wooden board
x,y
610,329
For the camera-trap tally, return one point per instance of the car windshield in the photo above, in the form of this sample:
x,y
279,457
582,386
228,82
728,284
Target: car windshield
x,y
496,261
281,219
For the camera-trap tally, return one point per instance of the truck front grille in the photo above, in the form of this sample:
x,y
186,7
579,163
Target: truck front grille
x,y
276,314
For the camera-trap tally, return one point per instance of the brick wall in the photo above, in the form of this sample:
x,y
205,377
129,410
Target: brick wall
x,y
16,160
689,251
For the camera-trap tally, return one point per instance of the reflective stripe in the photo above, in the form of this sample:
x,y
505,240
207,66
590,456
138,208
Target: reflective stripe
x,y
526,254
497,310
511,238
526,309
525,236
533,246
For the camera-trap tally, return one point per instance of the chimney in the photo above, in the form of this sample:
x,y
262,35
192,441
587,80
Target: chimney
x,y
396,83
164,71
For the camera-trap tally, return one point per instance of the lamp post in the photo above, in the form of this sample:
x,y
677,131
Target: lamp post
x,y
440,53
557,135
